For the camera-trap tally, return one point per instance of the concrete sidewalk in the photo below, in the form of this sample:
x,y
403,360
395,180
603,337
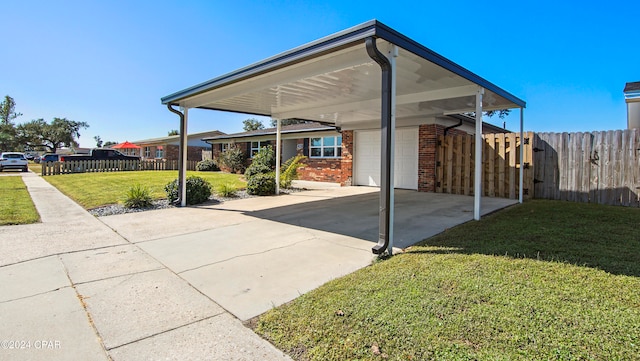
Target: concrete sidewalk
x,y
74,289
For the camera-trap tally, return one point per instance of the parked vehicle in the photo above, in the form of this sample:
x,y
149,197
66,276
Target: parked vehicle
x,y
50,157
98,154
13,160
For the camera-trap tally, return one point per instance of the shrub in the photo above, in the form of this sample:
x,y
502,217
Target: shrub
x,y
263,162
232,160
260,177
255,169
262,184
198,190
138,196
226,190
289,170
207,165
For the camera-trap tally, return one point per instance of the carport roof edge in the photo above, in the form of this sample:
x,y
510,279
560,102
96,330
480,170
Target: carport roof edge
x,y
334,43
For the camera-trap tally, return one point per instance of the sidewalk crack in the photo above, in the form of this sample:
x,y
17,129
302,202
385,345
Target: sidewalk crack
x,y
166,331
250,254
86,310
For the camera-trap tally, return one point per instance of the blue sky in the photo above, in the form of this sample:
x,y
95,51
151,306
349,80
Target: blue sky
x,y
108,63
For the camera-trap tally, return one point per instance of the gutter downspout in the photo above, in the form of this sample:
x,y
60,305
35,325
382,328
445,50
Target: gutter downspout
x,y
181,167
385,156
446,130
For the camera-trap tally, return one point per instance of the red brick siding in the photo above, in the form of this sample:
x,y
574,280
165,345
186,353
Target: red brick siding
x,y
427,149
336,170
427,145
171,152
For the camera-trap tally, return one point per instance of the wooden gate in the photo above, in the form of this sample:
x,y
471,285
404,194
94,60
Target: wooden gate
x,y
455,165
598,167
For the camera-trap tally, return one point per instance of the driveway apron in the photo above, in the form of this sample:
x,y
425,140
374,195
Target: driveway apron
x,y
74,289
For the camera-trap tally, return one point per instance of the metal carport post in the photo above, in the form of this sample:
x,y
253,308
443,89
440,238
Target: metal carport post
x,y
477,181
182,158
387,125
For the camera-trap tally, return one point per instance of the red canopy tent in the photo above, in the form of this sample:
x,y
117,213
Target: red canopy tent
x,y
125,145
127,148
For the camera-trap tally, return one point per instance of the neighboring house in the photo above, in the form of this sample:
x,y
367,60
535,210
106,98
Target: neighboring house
x,y
168,147
632,98
352,157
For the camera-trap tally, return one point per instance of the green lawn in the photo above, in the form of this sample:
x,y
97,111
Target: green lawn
x,y
92,190
16,206
35,167
545,280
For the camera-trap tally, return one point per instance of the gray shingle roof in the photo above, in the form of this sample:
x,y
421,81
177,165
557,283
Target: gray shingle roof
x,y
634,86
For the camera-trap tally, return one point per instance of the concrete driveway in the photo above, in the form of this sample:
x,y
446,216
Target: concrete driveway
x,y
253,254
174,284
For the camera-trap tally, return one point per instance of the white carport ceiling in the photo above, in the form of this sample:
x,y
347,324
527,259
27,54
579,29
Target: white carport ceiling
x,y
334,80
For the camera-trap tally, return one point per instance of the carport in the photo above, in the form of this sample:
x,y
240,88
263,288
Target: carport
x,y
368,74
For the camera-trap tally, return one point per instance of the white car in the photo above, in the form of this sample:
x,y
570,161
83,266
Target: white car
x,y
13,160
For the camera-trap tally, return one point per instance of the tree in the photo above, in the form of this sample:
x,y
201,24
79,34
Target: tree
x,y
61,132
109,143
252,124
173,132
98,141
8,110
7,128
502,113
288,122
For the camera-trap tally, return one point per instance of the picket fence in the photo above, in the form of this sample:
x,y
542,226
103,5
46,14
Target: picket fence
x,y
84,166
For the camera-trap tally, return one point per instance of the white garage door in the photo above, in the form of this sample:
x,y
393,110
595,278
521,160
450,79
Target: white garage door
x,y
367,158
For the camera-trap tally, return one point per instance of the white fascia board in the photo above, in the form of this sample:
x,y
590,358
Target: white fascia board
x,y
632,95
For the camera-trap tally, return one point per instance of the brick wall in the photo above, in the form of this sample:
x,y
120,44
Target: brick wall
x,y
335,170
427,147
172,152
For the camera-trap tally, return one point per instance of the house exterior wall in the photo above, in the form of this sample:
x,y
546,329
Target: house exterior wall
x,y
340,170
334,170
172,152
427,147
633,114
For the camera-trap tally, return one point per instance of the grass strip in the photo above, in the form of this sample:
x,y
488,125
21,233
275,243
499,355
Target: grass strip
x,y
16,206
92,190
545,280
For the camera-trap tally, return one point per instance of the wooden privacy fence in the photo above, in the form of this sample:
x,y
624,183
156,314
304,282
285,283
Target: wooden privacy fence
x,y
82,166
455,165
599,167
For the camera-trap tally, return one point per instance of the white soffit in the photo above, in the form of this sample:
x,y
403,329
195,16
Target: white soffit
x,y
343,86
